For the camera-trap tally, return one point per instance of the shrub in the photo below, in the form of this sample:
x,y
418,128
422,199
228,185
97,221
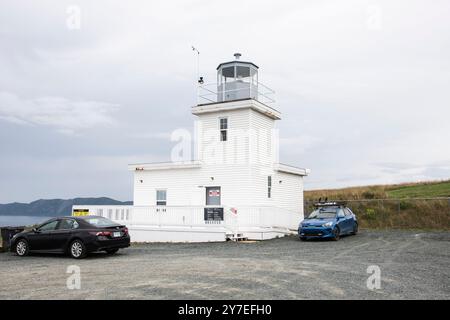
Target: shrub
x,y
370,214
368,195
404,205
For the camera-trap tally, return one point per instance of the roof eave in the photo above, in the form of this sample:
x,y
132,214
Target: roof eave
x,y
292,170
164,166
237,61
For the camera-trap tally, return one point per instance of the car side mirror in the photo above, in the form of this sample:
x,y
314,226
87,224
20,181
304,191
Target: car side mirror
x,y
35,230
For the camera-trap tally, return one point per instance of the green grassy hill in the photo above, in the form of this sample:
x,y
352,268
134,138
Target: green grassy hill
x,y
395,191
421,190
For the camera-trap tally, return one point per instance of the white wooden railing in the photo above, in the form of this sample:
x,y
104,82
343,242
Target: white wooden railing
x,y
193,216
116,213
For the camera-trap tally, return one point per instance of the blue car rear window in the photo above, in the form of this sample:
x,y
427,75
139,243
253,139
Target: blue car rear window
x,y
324,213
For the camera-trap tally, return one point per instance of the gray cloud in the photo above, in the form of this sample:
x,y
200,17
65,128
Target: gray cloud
x,y
360,100
64,115
436,172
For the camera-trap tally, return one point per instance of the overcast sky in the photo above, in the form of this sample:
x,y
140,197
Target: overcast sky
x,y
363,87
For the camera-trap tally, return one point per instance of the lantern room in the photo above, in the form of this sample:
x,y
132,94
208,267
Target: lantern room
x,y
237,80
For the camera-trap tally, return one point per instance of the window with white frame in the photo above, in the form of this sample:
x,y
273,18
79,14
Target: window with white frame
x,y
161,197
223,125
269,186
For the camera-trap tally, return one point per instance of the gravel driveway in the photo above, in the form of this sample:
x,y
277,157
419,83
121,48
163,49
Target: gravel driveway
x,y
413,265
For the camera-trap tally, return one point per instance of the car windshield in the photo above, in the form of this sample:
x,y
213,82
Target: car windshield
x,y
100,221
323,213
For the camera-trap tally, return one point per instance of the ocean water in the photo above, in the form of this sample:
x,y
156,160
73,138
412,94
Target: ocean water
x,y
15,221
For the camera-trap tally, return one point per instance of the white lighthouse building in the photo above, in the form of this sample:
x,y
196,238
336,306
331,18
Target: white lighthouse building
x,y
234,188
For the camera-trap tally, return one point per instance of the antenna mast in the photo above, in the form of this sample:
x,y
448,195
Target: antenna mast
x,y
199,79
198,61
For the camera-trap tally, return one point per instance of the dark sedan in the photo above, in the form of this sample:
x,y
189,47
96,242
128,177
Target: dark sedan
x,y
76,236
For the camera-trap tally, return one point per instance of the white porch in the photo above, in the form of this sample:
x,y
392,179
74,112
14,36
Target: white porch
x,y
187,223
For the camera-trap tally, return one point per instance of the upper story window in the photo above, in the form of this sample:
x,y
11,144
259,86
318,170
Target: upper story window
x,y
223,125
269,186
161,197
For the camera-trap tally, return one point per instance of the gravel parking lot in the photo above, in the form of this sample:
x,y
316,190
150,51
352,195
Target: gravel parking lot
x,y
413,266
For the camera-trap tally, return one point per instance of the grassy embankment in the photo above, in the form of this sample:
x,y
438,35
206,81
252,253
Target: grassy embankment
x,y
403,206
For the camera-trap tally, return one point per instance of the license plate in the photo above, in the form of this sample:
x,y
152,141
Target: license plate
x,y
116,234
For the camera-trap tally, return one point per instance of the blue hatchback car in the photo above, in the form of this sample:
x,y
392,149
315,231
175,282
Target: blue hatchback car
x,y
328,220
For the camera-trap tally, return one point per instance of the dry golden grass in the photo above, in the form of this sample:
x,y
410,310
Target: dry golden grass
x,y
400,208
403,214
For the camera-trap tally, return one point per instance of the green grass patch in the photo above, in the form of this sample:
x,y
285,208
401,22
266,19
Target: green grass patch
x,y
430,189
426,190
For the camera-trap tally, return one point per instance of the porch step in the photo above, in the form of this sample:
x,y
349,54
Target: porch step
x,y
236,237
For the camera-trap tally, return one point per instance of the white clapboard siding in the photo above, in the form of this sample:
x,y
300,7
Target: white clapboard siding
x,y
240,166
187,186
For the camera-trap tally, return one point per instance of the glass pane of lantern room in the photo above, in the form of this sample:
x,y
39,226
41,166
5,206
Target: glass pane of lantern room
x,y
228,74
254,75
242,72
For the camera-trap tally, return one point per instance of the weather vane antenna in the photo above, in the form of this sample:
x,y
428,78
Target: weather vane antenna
x,y
199,78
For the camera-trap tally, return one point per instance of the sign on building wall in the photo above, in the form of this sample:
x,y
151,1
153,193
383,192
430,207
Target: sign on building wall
x,y
80,212
213,214
214,193
213,196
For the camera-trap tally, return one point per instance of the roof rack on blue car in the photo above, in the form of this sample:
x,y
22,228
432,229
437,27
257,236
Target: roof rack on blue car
x,y
330,203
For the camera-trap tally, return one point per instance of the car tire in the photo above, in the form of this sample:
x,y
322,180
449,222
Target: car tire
x,y
303,238
336,234
111,251
355,229
77,249
22,249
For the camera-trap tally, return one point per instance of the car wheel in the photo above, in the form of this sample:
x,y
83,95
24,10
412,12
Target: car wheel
x,y
336,234
303,238
22,248
77,249
111,251
355,229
